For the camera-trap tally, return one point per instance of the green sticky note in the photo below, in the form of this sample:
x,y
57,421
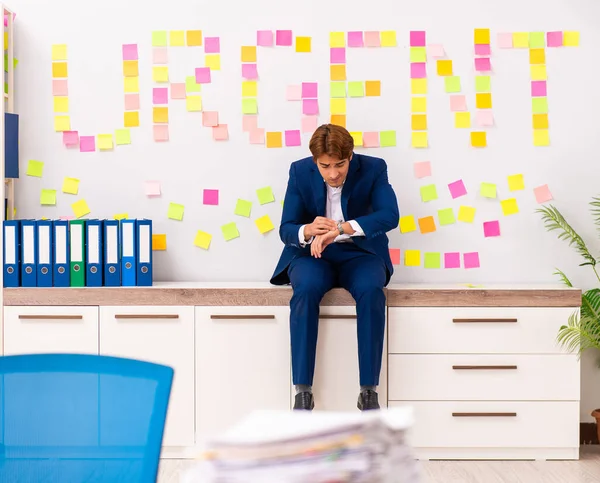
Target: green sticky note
x,y
452,83
230,231
432,260
175,211
539,105
15,62
337,89
537,40
446,216
356,89
123,136
483,83
428,192
243,208
488,190
48,197
249,105
159,38
35,168
265,195
387,138
191,85
418,54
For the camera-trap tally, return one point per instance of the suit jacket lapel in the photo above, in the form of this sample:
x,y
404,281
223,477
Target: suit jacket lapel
x,y
318,188
349,183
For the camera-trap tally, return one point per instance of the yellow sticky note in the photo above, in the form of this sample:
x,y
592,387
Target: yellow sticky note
x,y
537,56
521,40
249,53
59,69
264,224
444,67
339,120
175,211
202,239
337,72
570,38
419,139
70,186
193,103
62,123
541,137
540,121
160,114
337,106
160,73
412,258
479,139
388,38
177,38
80,208
249,89
48,197
122,136
482,36
462,119
131,118
516,182
194,38
337,39
418,54
483,100
274,139
159,241
159,38
419,122
59,52
418,104
130,68
212,61
418,86
121,216
407,224
509,206
466,214
35,168
131,84
303,44
538,72
105,141
358,138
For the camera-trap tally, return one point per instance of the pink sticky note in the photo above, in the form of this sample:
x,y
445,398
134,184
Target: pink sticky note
x,y
554,39
372,39
161,132
471,259
505,40
60,87
309,124
435,50
87,144
310,107
66,217
220,132
211,197
452,260
483,64
542,193
160,55
309,89
160,95
538,88
70,138
249,123
283,37
417,38
292,138
337,55
458,103
491,228
264,38
355,39
371,139
422,169
249,71
152,188
293,93
130,52
132,102
395,256
202,75
482,49
257,136
485,117
210,118
457,188
418,70
178,90
212,45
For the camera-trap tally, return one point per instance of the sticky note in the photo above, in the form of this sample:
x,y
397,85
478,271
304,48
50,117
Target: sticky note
x,y
337,89
160,114
479,139
130,51
538,88
193,103
417,38
452,84
446,216
177,38
210,118
87,144
274,139
264,38
422,169
152,188
292,137
372,88
482,49
294,92
337,39
356,89
483,83
59,52
485,117
432,260
105,142
483,64
452,260
122,136
249,89
160,73
160,55
337,55
457,189
131,118
427,224
388,38
202,239
70,138
537,40
121,216
220,132
491,228
48,197
395,256
554,39
504,40
309,124
309,90
265,195
35,168
444,67
371,139
248,53
471,259
62,123
539,105
61,104
257,136
435,50
407,224
59,69
462,119
541,137
488,190
509,206
159,241
337,72
202,75
264,224
483,101
520,40
355,39
482,36
80,208
538,72
412,258
466,214
570,39
418,70
193,38
310,107
160,95
339,120
418,54
372,39
542,193
175,211
303,44
70,186
418,122
387,138
230,231
418,104
159,38
132,102
337,106
131,84
537,56
283,37
130,68
458,102
419,139
243,208
418,86
190,84
516,182
60,87
358,138
428,193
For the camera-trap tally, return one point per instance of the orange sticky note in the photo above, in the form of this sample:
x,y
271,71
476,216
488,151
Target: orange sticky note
x,y
372,88
427,224
339,120
194,38
130,68
248,53
160,114
337,72
274,139
159,241
479,139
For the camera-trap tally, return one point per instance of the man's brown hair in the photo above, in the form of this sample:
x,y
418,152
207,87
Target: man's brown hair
x,y
332,140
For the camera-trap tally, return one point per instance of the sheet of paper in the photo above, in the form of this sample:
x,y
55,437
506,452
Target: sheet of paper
x,y
248,53
249,123
358,137
257,136
62,123
471,259
387,138
395,256
418,54
452,84
161,132
504,40
541,137
243,208
417,38
159,241
371,139
175,211
542,193
466,214
488,190
48,197
418,70
444,67
428,193
491,228
283,37
70,138
61,104
132,102
479,139
419,139
412,258
160,114
130,51
249,71
509,206
355,39
210,118
418,86
159,38
35,168
458,102
337,39
160,55
160,74
452,260
446,216
422,169
457,189
554,39
418,122
264,224
432,260
152,188
337,89
220,132
202,239
292,138
427,224
191,85
80,208
131,118
212,45
264,38
230,231
337,106
193,103
60,87
87,144
516,182
274,139
462,119
122,136
160,95
105,142
372,39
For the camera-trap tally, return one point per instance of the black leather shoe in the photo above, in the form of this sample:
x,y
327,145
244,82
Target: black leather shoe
x,y
368,400
304,400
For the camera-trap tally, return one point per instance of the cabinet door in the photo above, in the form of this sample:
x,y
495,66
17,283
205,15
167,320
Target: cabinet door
x,y
40,329
164,335
242,364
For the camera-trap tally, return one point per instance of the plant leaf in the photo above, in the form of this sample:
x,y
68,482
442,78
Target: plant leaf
x,y
595,209
590,304
563,277
581,333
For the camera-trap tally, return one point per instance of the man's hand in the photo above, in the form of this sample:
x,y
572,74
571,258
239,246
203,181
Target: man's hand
x,y
321,242
320,226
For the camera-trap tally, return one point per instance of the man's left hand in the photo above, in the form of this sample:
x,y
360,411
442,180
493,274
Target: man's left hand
x,y
321,242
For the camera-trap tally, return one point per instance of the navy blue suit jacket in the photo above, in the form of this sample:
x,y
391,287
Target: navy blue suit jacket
x,y
367,197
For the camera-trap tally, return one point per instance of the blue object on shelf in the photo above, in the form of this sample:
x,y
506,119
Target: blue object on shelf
x,y
11,145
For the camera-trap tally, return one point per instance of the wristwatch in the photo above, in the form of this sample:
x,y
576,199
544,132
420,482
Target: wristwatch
x,y
340,228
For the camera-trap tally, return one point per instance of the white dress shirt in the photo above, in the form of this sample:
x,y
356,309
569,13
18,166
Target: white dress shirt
x,y
333,211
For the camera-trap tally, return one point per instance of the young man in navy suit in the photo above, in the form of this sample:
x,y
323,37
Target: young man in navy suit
x,y
338,207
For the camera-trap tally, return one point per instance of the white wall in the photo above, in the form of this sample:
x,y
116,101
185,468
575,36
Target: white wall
x,y
112,182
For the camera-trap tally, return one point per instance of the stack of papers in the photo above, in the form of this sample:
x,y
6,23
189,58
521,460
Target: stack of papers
x,y
312,447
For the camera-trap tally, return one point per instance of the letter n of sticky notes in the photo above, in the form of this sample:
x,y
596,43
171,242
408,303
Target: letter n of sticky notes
x,y
264,224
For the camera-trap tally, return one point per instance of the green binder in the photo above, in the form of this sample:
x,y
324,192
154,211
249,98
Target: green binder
x,y
77,252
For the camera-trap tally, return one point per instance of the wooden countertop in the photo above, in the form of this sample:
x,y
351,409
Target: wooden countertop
x,y
262,294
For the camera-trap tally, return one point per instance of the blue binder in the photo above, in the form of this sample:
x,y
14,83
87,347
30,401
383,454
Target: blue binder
x,y
62,269
11,145
44,253
94,265
11,255
112,259
128,253
28,253
144,252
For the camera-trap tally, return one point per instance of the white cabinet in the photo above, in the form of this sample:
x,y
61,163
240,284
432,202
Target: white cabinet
x,y
242,364
163,335
50,329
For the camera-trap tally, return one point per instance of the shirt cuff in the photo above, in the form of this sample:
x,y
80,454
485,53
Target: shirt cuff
x,y
357,229
301,237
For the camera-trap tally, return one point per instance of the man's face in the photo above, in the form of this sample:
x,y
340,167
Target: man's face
x,y
333,170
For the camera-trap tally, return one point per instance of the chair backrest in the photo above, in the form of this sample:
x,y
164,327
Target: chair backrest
x,y
78,417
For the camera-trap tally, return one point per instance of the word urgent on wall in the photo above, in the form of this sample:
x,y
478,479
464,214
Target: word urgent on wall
x,y
306,93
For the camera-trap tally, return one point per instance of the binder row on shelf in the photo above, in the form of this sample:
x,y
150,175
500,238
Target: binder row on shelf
x,y
77,253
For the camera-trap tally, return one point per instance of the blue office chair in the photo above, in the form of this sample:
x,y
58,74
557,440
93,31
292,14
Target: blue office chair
x,y
75,418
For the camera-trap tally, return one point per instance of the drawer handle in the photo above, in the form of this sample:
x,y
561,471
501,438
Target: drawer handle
x,y
469,368
241,316
147,316
51,317
484,415
484,321
337,316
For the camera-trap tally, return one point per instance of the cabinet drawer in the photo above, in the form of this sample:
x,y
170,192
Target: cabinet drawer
x,y
41,329
499,330
451,424
427,377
